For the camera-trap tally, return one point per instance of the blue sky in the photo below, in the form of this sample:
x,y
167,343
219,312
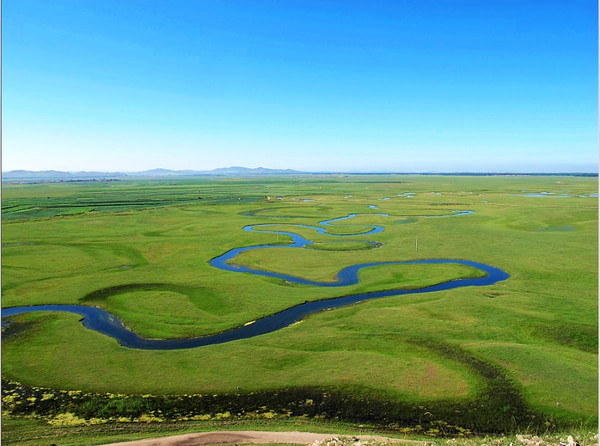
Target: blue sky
x,y
420,85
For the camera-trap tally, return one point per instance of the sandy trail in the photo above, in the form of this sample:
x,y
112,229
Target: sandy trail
x,y
239,437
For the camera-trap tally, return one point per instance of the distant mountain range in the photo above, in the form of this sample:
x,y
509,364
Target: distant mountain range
x,y
57,175
61,176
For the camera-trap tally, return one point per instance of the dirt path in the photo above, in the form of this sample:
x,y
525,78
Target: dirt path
x,y
238,437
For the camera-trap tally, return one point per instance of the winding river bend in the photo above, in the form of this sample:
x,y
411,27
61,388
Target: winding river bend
x,y
102,321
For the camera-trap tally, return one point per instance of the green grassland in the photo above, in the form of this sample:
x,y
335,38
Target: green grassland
x,y
141,250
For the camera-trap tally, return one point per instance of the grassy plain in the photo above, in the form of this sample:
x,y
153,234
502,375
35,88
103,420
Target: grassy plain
x,y
141,250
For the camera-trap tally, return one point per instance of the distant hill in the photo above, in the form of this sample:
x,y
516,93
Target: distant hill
x,y
15,175
57,175
60,176
236,170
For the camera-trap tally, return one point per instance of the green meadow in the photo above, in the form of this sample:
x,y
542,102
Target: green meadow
x,y
520,353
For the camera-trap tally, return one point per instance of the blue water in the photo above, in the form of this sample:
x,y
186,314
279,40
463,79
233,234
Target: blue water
x,y
553,195
544,195
101,321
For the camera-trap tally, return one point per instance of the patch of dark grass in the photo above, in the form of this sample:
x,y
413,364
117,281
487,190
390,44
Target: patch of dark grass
x,y
105,293
15,328
344,246
406,221
493,294
575,336
259,213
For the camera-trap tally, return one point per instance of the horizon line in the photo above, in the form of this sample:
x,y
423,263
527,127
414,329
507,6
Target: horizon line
x,y
307,172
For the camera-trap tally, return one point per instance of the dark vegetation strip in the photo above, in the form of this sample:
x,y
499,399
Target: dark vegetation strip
x,y
104,293
355,245
580,337
498,408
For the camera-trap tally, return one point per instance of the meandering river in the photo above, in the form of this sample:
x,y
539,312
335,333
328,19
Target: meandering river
x,y
102,321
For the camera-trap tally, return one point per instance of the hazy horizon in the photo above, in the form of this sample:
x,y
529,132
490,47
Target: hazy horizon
x,y
332,86
592,170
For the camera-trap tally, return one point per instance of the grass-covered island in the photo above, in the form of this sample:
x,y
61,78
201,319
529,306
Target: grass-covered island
x,y
519,356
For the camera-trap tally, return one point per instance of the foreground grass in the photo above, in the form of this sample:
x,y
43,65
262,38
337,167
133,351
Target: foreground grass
x,y
25,432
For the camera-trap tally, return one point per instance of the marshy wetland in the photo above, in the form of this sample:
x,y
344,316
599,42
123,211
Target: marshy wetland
x,y
504,338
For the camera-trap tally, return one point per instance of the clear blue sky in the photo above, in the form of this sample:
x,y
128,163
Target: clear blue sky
x,y
419,85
